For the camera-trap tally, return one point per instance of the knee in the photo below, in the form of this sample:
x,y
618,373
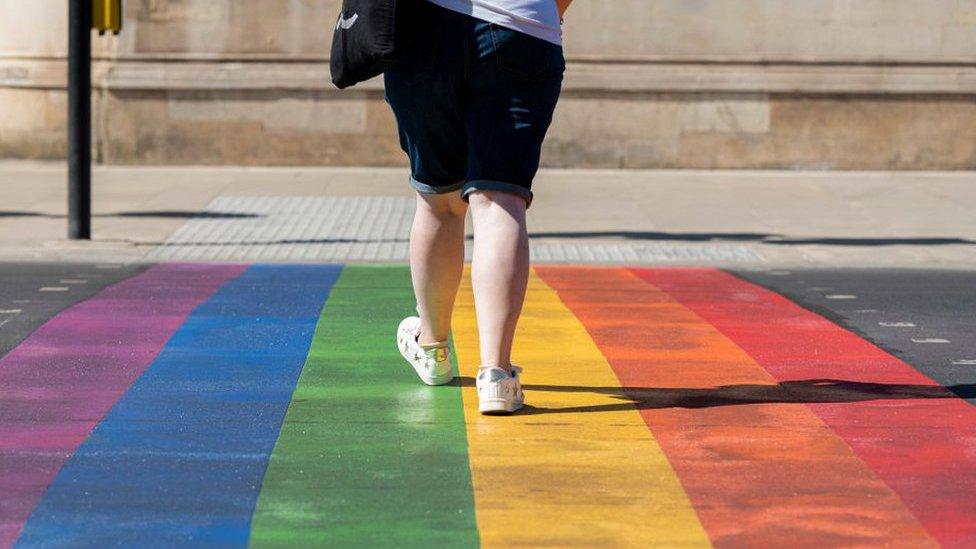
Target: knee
x,y
482,199
447,205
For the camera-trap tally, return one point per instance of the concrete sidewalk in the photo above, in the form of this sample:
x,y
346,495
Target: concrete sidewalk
x,y
831,219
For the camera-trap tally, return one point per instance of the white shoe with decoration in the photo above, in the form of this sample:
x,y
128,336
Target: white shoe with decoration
x,y
432,362
499,392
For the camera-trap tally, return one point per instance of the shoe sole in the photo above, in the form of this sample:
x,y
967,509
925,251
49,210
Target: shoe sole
x,y
498,407
432,381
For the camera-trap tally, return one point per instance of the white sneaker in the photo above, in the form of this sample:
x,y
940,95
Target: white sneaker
x,y
431,362
498,391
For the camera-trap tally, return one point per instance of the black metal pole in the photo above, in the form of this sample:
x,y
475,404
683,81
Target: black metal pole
x,y
79,119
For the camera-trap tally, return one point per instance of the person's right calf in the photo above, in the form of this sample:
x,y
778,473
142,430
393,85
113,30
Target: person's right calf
x,y
499,271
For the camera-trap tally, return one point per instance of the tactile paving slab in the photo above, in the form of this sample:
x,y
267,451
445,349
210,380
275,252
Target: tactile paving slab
x,y
375,228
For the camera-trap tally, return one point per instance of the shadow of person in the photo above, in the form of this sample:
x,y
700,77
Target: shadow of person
x,y
787,392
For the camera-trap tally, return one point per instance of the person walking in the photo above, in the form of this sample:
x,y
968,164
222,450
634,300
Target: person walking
x,y
473,97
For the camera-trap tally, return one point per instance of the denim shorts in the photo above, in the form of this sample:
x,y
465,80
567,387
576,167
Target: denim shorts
x,y
473,101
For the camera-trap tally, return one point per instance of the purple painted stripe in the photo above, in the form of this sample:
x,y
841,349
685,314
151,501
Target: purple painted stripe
x,y
59,383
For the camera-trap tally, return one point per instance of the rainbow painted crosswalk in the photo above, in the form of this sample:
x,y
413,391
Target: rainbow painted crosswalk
x,y
267,405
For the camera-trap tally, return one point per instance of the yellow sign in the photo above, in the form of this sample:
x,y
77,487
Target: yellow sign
x,y
107,16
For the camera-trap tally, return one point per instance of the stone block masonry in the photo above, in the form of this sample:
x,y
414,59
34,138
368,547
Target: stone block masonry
x,y
822,84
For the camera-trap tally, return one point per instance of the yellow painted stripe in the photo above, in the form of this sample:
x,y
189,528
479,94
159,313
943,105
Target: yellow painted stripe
x,y
558,474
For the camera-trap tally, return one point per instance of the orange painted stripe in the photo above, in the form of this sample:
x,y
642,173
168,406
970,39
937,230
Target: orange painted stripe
x,y
558,474
759,466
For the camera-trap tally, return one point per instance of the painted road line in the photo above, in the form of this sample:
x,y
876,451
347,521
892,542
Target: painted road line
x,y
59,382
916,435
367,455
897,324
180,457
924,340
72,281
557,474
840,296
53,289
8,315
735,436
965,362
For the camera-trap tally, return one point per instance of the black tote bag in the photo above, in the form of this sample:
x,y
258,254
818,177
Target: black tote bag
x,y
370,36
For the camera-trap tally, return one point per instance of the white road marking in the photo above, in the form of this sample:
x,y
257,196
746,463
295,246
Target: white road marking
x,y
18,301
897,324
11,313
965,362
53,289
865,311
840,296
930,340
109,266
779,273
73,281
819,289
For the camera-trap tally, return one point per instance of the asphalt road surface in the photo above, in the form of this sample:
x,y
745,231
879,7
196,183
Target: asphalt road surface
x,y
267,405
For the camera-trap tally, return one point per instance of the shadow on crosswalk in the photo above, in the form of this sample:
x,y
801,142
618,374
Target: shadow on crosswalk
x,y
805,391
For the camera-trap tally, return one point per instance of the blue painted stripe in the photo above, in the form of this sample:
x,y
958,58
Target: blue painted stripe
x,y
181,456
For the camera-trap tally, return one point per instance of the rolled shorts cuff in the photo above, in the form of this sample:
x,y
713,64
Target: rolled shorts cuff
x,y
431,189
489,185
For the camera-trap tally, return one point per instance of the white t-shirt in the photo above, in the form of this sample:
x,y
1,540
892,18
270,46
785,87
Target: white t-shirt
x,y
539,18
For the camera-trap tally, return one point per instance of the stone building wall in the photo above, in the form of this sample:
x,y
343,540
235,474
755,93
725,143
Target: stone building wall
x,y
822,84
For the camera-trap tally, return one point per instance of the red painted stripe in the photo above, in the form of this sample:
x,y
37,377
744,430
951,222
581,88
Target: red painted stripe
x,y
760,468
59,382
918,437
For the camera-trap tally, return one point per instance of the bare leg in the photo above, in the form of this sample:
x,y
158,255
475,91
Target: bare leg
x,y
499,271
437,260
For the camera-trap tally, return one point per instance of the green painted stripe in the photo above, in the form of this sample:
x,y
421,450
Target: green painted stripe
x,y
367,454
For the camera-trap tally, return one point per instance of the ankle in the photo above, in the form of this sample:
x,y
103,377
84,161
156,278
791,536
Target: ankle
x,y
427,344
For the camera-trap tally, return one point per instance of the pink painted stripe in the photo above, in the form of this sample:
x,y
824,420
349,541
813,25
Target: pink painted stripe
x,y
58,383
